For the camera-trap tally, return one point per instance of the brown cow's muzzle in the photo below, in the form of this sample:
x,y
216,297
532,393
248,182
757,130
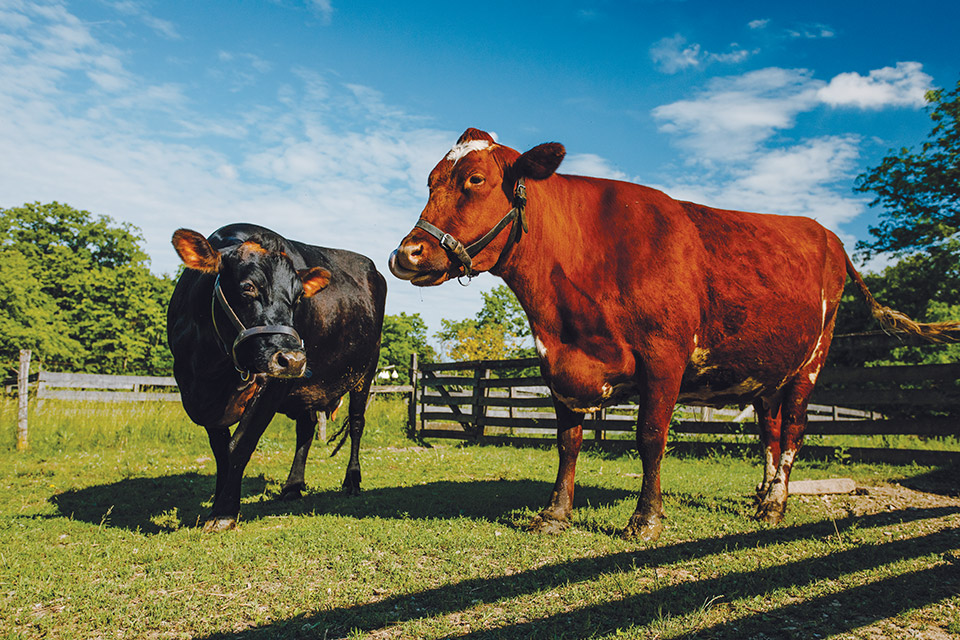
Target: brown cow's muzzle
x,y
420,263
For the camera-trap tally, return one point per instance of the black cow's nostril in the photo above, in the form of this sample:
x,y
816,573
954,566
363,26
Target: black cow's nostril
x,y
417,249
289,363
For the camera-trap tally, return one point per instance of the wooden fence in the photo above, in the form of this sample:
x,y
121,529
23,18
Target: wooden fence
x,y
491,400
90,387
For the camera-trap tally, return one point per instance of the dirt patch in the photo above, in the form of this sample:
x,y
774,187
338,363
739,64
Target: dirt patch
x,y
893,497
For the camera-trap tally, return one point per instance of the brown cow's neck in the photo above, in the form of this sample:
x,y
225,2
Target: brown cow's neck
x,y
533,262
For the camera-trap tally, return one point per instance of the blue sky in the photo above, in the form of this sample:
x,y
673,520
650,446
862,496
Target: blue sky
x,y
322,118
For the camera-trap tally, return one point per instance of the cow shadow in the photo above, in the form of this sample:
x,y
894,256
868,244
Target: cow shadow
x,y
162,504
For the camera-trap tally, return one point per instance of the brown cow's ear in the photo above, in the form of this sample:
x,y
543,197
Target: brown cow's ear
x,y
313,280
540,162
195,251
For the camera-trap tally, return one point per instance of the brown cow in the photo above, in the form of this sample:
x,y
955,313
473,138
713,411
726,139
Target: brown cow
x,y
629,291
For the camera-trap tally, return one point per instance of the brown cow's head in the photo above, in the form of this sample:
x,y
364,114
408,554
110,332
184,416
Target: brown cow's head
x,y
261,287
471,190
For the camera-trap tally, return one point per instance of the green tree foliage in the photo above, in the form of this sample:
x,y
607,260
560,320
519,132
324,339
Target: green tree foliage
x,y
499,330
80,294
402,335
919,191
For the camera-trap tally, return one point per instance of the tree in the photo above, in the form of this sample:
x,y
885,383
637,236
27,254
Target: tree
x,y
499,330
29,318
85,295
402,335
920,191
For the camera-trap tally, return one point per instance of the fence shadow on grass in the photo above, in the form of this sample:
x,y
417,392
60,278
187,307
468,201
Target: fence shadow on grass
x,y
138,504
832,613
943,480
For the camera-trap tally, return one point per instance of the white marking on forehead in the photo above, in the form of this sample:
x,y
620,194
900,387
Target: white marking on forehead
x,y
462,149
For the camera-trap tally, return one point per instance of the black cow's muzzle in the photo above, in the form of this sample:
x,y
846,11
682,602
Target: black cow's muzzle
x,y
289,363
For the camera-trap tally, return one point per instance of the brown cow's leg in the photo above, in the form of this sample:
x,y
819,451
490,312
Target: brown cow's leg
x,y
554,518
296,482
773,503
794,420
256,417
768,420
656,408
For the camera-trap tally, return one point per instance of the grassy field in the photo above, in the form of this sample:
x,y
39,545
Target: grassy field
x,y
98,540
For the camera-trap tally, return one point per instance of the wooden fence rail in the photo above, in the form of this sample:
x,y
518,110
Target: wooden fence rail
x,y
91,387
490,400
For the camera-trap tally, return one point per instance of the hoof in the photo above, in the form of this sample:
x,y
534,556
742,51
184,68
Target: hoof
x,y
647,529
546,524
769,513
293,492
216,525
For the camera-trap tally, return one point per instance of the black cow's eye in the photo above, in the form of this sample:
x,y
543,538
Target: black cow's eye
x,y
248,289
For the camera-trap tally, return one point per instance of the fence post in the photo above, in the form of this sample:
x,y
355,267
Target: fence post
x,y
412,402
23,378
479,400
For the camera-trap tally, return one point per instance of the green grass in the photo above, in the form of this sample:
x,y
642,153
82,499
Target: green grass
x,y
97,539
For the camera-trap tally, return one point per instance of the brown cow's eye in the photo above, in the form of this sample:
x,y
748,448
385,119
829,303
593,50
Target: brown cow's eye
x,y
476,179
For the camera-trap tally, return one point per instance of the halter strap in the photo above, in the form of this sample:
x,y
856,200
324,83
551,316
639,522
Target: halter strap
x,y
465,255
243,333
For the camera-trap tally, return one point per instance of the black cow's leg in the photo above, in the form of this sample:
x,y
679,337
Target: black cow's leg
x,y
358,408
256,417
554,518
220,444
656,408
306,429
768,421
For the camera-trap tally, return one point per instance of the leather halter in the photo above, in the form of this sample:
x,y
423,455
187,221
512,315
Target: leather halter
x,y
242,332
465,255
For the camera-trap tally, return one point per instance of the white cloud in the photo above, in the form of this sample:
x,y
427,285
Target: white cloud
x,y
319,160
759,23
674,54
736,114
797,180
812,32
139,10
590,164
729,127
900,86
323,8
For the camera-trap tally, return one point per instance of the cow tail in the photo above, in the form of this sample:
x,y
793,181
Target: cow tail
x,y
893,321
342,434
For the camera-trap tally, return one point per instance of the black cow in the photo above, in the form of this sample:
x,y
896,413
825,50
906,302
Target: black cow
x,y
234,325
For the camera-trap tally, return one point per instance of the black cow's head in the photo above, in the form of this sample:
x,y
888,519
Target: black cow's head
x,y
262,288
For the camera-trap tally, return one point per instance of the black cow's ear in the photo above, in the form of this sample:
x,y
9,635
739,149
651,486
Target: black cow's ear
x,y
195,251
313,280
540,162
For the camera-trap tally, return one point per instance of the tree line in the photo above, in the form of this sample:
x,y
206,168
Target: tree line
x,y
76,288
